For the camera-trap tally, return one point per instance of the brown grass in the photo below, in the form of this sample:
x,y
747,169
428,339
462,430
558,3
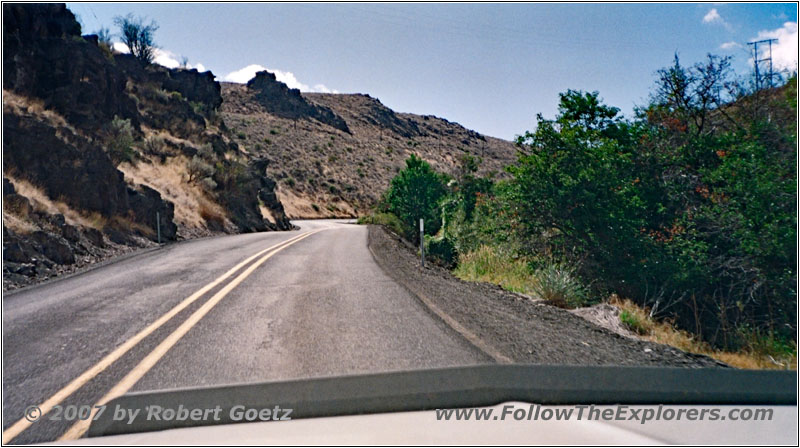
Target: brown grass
x,y
18,224
20,105
265,212
664,333
301,206
43,203
211,214
169,179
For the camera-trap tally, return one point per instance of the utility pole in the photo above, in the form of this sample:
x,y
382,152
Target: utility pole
x,y
757,62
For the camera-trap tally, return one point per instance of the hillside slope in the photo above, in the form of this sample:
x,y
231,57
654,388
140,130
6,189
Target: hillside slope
x,y
102,153
333,154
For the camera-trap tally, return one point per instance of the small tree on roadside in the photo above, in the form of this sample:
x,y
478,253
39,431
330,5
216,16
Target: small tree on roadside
x,y
415,193
138,36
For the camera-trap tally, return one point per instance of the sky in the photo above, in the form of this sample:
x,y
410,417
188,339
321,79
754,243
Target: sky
x,y
489,67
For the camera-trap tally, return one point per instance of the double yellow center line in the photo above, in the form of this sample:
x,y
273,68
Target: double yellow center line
x,y
79,428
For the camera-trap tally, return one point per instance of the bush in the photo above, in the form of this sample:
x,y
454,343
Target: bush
x,y
120,141
441,250
633,322
208,184
558,284
688,211
154,145
197,168
415,193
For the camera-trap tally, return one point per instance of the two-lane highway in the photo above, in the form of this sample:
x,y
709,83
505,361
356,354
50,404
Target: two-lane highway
x,y
231,309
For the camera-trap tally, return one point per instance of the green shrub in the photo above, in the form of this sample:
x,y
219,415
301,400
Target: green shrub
x,y
688,217
415,193
119,142
441,250
198,169
208,184
632,322
558,284
153,145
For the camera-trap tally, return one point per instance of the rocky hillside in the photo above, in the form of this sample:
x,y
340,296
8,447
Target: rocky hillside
x,y
97,147
334,154
103,154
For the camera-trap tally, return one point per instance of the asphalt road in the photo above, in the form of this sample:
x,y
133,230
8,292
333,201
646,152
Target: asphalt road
x,y
317,307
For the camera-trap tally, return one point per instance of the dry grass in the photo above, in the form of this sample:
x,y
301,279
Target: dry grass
x,y
638,319
345,173
43,203
127,225
265,212
301,206
23,105
211,214
486,265
18,224
192,205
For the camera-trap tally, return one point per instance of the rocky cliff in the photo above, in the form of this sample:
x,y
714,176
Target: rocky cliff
x,y
102,153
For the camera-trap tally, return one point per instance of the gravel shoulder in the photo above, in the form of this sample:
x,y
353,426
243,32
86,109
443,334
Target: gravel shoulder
x,y
511,328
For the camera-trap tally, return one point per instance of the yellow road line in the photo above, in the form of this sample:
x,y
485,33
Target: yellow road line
x,y
23,424
80,427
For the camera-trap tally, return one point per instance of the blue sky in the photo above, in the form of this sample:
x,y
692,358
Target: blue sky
x,y
490,67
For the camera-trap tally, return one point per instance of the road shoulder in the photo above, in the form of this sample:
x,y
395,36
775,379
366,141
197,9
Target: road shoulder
x,y
511,328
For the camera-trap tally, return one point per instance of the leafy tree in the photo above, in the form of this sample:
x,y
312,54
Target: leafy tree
x,y
138,36
578,184
414,193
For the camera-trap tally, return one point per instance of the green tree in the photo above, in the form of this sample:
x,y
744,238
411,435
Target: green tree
x,y
577,188
414,193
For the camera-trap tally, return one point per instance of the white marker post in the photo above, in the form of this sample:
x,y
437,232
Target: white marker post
x,y
422,240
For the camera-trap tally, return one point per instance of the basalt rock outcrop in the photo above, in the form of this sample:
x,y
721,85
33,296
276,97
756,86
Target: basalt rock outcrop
x,y
278,99
65,96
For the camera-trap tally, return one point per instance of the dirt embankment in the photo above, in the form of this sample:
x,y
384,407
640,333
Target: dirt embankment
x,y
512,328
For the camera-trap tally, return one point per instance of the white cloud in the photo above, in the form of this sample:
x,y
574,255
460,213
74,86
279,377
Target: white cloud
x,y
166,58
784,52
120,47
161,57
321,88
712,16
245,74
730,45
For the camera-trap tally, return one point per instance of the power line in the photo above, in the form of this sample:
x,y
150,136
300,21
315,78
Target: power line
x,y
757,62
